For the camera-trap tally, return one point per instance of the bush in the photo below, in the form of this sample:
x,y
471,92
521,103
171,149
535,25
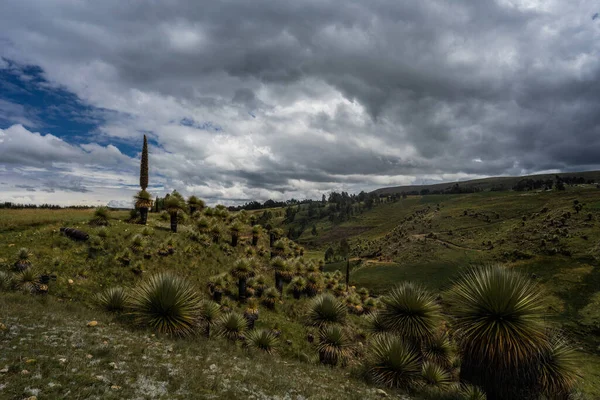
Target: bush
x,y
166,303
393,363
232,326
113,299
334,345
326,310
262,339
411,312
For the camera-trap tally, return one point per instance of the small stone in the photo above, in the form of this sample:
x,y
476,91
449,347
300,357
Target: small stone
x,y
92,323
70,281
115,387
289,342
30,361
381,393
89,356
2,327
113,365
3,370
24,372
32,398
62,360
213,367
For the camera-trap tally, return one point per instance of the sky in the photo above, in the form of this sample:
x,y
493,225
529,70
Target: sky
x,y
250,100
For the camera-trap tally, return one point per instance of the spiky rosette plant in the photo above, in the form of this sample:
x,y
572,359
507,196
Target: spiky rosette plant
x,y
270,297
263,340
435,377
438,349
411,312
195,204
557,368
298,286
23,260
215,232
251,312
231,326
113,299
370,305
314,284
27,280
167,303
260,285
217,285
174,204
203,225
283,272
334,345
101,215
256,232
7,281
279,248
235,228
326,310
143,202
242,270
498,320
375,326
137,243
209,315
470,392
393,363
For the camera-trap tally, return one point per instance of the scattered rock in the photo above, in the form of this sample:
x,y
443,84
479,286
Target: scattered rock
x,y
70,281
24,372
89,356
3,370
62,360
92,323
115,387
30,361
2,327
381,393
212,367
32,398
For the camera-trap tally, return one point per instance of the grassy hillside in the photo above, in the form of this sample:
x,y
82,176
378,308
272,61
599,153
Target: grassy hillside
x,y
431,239
497,182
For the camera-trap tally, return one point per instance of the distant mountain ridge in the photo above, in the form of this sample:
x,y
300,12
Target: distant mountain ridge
x,y
492,183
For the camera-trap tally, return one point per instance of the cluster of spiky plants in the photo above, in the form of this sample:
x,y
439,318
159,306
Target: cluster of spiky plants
x,y
27,280
231,326
114,299
242,270
262,339
167,303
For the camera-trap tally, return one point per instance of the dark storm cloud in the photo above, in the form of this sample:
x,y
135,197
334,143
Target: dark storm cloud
x,y
474,87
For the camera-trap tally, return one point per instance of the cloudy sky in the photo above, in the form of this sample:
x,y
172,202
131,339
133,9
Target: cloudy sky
x,y
259,99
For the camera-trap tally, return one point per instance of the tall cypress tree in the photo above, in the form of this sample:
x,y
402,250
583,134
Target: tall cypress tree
x,y
144,165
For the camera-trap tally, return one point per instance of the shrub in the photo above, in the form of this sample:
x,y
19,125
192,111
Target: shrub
x,y
113,299
270,297
438,350
103,233
498,320
166,303
209,314
231,326
7,281
262,339
334,345
326,310
393,363
558,368
23,263
411,312
434,376
27,280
